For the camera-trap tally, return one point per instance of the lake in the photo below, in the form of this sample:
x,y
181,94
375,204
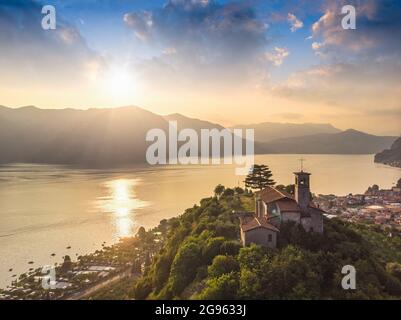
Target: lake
x,y
45,208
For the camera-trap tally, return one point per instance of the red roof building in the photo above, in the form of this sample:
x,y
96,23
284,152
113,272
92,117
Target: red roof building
x,y
274,207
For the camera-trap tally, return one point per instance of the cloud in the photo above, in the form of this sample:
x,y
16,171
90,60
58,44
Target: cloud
x,y
277,56
346,86
316,45
141,22
202,40
295,23
30,54
357,75
378,24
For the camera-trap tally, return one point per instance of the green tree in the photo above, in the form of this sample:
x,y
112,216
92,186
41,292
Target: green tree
x,y
211,249
222,265
183,269
228,192
67,264
141,233
231,247
239,190
218,191
224,287
260,177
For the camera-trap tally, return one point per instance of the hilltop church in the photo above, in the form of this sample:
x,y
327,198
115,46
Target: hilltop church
x,y
274,206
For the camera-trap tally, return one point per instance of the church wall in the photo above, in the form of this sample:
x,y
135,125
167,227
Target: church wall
x,y
291,216
317,221
307,223
259,236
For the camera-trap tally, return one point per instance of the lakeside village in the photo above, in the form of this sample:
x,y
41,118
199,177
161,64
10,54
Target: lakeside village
x,y
380,207
80,279
90,275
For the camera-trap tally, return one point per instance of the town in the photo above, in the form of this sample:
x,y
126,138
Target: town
x,y
381,207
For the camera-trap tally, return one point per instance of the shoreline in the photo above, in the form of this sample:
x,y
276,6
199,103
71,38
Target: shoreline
x,y
88,273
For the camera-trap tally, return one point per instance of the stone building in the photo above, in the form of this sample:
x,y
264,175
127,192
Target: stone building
x,y
258,230
274,207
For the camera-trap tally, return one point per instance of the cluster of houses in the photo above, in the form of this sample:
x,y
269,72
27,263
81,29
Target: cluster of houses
x,y
376,206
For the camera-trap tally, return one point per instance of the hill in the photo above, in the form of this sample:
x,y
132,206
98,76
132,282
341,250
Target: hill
x,y
391,156
184,122
69,136
346,142
201,258
269,131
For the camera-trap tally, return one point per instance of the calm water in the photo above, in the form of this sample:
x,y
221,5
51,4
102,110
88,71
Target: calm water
x,y
45,209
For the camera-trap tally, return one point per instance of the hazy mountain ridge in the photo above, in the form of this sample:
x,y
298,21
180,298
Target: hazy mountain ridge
x,y
114,136
391,156
69,136
347,142
184,122
269,131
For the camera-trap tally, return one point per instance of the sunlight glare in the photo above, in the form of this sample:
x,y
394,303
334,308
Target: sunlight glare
x,y
122,202
120,85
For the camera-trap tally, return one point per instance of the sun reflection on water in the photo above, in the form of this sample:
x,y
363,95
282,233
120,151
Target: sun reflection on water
x,y
122,203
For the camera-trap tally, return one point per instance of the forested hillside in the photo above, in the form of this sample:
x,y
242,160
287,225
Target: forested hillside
x,y
202,259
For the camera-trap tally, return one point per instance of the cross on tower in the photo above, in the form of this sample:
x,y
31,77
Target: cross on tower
x,y
302,163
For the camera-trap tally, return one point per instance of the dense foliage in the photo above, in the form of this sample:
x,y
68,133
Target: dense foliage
x,y
202,259
259,177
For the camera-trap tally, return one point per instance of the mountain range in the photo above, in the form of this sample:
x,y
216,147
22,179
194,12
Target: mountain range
x,y
270,131
346,142
115,136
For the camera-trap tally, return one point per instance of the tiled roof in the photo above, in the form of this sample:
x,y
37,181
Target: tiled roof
x,y
287,205
254,223
285,201
270,194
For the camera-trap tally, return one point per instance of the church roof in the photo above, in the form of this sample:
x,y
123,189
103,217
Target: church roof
x,y
285,201
270,194
288,205
302,172
248,224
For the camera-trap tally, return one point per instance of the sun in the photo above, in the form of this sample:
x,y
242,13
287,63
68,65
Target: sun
x,y
120,85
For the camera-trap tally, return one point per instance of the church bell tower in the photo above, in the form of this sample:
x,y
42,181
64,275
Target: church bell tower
x,y
302,189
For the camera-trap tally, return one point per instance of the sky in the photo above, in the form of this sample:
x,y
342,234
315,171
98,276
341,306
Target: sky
x,y
231,62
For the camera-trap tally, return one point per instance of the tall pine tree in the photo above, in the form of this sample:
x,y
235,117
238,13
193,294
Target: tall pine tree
x,y
259,177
